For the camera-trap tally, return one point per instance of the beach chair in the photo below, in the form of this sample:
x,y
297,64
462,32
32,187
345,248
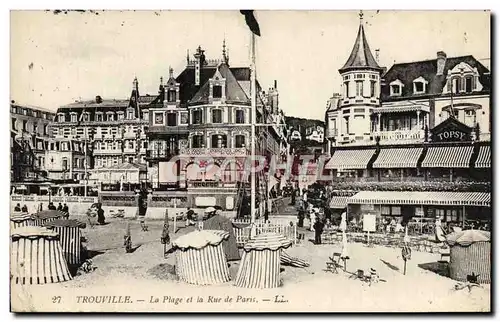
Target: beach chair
x,y
360,275
144,227
331,266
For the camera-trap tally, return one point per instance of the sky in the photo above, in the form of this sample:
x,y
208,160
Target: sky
x,y
57,59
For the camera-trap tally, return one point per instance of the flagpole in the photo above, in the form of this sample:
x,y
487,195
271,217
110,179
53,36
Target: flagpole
x,y
253,121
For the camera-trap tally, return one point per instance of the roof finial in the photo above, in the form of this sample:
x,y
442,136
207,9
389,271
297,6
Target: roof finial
x,y
170,71
187,56
161,80
135,83
360,17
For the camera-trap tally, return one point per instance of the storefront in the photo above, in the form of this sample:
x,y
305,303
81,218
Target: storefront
x,y
451,207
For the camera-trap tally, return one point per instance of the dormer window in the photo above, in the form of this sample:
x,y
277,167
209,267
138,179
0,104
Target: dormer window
x,y
74,117
98,117
172,95
468,84
61,118
463,78
130,114
197,117
217,91
396,88
359,88
419,85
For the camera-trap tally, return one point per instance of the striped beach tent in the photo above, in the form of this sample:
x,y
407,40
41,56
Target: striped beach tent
x,y
37,257
70,234
200,257
45,216
21,219
260,264
470,253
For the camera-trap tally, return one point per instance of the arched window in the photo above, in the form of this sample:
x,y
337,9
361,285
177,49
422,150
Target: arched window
x,y
219,141
240,141
197,141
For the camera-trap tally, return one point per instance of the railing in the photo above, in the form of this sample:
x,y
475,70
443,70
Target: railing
x,y
107,151
213,151
211,184
45,198
160,153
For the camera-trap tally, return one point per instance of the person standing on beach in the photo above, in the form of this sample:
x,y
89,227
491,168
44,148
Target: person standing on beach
x,y
318,230
17,208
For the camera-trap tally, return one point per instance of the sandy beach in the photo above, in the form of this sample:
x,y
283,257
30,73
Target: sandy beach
x,y
131,286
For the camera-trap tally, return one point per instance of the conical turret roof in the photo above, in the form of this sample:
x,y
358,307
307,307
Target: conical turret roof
x,y
361,56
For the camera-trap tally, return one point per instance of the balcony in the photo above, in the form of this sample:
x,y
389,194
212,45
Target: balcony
x,y
165,129
214,152
107,152
160,154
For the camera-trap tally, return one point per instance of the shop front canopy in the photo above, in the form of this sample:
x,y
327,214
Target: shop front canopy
x,y
448,157
350,159
444,198
398,158
338,202
484,157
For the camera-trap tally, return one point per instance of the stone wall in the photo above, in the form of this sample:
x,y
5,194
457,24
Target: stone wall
x,y
76,205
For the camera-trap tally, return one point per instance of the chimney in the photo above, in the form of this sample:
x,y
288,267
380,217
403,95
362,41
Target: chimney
x,y
377,54
198,64
441,61
98,99
275,84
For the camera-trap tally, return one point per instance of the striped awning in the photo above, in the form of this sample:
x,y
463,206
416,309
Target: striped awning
x,y
338,202
398,158
350,159
444,198
448,157
484,157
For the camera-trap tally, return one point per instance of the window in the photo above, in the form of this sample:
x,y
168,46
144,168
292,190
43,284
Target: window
x,y
395,90
359,88
130,144
346,86
347,125
145,144
120,116
130,114
455,84
13,124
468,84
158,118
25,125
219,141
73,117
86,117
61,118
240,117
145,116
172,119
470,113
197,141
372,88
172,95
110,117
197,117
240,141
217,91
184,118
419,87
216,116
65,164
130,159
98,117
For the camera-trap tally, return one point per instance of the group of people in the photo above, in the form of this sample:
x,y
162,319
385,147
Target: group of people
x,y
61,207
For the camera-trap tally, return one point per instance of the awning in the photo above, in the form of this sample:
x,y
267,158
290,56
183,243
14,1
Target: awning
x,y
444,198
484,157
338,202
448,157
350,159
398,158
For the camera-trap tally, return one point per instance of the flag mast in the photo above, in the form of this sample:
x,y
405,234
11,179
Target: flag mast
x,y
253,93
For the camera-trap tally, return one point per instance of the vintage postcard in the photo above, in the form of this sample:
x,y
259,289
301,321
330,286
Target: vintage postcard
x,y
250,161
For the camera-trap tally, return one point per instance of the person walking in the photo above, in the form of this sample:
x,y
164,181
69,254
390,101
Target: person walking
x,y
100,215
318,230
65,209
60,207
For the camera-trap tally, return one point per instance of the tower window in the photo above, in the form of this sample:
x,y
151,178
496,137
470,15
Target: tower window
x,y
171,119
217,91
359,88
240,116
197,117
216,116
346,85
372,88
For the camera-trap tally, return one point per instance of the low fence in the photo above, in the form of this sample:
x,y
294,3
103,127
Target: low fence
x,y
280,226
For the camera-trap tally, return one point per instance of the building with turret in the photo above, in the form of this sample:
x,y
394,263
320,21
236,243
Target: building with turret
x,y
412,140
